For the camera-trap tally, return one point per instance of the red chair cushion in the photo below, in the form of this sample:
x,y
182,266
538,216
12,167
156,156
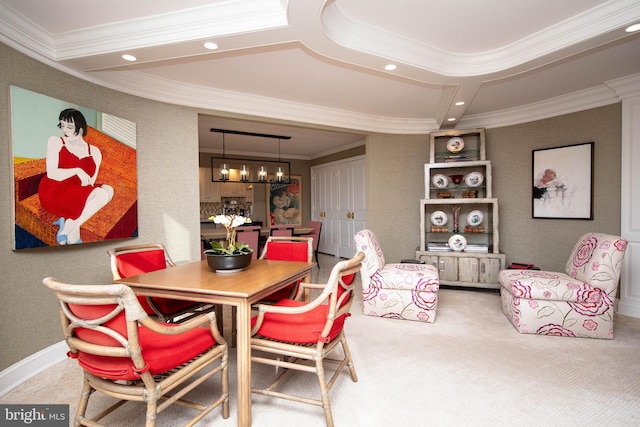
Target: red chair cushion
x,y
302,328
160,352
134,263
286,251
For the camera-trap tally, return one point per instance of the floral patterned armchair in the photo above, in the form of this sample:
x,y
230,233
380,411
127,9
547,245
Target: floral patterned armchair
x,y
576,304
397,291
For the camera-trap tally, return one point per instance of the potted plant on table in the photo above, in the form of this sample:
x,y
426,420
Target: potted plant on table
x,y
232,255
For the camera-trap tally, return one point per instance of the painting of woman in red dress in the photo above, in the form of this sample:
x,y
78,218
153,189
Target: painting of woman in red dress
x,y
69,189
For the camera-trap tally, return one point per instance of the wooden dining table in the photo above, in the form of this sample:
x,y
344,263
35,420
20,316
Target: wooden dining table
x,y
195,281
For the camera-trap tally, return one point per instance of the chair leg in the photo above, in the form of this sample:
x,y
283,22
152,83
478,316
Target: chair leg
x,y
84,400
324,391
317,262
347,355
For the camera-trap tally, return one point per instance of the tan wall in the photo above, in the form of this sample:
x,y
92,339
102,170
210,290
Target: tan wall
x,y
168,166
396,183
548,242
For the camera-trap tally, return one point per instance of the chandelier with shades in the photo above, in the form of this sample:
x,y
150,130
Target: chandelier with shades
x,y
255,171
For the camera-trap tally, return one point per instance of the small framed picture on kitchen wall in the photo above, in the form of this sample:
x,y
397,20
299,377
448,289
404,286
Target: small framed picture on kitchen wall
x,y
285,201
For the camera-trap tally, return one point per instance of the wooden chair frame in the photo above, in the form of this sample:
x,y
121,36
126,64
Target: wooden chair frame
x,y
264,255
168,387
174,316
317,229
292,356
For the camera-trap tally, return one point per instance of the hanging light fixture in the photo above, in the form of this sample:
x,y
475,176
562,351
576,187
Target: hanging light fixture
x,y
238,169
279,173
224,170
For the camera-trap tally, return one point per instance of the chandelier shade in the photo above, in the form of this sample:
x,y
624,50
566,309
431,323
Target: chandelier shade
x,y
255,171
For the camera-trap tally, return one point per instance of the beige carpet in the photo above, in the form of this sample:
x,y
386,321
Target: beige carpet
x,y
470,367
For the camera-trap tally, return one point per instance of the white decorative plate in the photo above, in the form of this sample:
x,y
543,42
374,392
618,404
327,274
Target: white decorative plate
x,y
473,179
439,218
455,144
457,243
475,218
440,181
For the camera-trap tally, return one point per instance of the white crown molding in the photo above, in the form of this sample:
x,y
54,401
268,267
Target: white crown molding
x,y
217,19
168,91
571,103
588,25
195,96
22,35
626,87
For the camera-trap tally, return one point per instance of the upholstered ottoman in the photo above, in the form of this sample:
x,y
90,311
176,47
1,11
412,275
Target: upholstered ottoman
x,y
399,291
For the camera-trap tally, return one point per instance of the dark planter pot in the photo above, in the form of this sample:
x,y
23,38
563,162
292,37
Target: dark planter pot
x,y
228,263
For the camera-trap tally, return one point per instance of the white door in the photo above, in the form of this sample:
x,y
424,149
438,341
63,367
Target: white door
x,y
351,212
322,184
338,200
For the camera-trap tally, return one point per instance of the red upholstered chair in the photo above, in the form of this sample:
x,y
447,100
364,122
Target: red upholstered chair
x,y
127,261
249,235
317,227
127,355
286,249
292,333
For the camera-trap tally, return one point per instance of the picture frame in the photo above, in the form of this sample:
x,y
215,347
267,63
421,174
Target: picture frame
x,y
51,210
284,202
563,182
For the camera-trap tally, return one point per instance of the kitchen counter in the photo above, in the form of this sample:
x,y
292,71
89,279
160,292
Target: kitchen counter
x,y
221,233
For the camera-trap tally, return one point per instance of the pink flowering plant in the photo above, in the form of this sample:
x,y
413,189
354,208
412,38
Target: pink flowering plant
x,y
231,246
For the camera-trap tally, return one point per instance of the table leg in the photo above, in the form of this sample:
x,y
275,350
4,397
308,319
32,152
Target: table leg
x,y
243,363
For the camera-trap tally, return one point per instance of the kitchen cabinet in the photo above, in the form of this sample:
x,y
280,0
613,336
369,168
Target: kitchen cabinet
x,y
209,191
214,191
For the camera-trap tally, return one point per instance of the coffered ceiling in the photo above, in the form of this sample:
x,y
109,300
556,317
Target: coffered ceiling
x,y
315,69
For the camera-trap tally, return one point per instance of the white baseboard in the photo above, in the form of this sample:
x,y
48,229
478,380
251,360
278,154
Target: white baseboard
x,y
20,372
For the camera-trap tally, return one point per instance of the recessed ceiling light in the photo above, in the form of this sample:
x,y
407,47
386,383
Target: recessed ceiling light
x,y
460,103
632,28
451,119
390,67
211,45
130,58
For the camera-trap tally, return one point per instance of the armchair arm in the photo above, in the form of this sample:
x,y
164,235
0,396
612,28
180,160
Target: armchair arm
x,y
301,294
179,328
267,308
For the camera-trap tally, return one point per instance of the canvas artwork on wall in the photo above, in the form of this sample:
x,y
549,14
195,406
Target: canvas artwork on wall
x,y
285,202
74,173
563,182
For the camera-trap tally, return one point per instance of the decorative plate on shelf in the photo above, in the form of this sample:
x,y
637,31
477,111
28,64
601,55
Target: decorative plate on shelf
x,y
457,243
440,181
455,144
475,218
474,179
439,218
